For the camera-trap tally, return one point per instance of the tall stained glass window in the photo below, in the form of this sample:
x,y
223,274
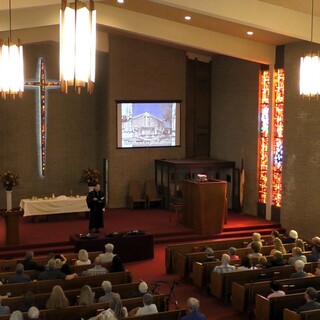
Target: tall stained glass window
x,y
264,127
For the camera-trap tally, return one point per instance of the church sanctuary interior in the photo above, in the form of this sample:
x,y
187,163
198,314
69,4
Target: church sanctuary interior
x,y
202,124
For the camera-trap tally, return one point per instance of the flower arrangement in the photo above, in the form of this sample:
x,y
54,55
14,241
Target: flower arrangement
x,y
9,179
90,176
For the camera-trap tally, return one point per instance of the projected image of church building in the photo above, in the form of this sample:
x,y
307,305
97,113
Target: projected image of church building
x,y
148,125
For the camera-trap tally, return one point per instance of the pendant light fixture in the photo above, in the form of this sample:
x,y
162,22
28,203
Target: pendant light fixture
x,y
310,68
77,45
11,65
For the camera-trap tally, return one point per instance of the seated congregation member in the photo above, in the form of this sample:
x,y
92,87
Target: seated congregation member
x,y
232,251
311,296
30,264
142,290
262,263
96,270
256,237
108,255
116,310
300,273
27,302
62,264
53,273
83,258
225,266
300,244
209,255
57,299
148,306
108,294
245,264
277,260
292,237
86,296
4,309
255,247
274,234
16,315
297,255
19,276
315,250
116,265
278,246
317,272
33,313
275,290
193,310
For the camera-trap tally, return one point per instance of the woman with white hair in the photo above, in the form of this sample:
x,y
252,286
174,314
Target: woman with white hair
x,y
142,290
108,294
293,236
16,315
33,313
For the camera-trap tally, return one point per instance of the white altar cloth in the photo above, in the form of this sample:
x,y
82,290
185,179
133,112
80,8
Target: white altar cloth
x,y
53,206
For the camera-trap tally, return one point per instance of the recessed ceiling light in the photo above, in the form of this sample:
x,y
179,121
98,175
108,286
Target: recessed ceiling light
x,y
120,1
187,18
249,33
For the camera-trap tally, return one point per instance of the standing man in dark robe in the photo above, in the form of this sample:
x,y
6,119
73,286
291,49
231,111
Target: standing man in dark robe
x,y
96,202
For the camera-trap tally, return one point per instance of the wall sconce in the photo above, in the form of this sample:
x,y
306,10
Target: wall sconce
x,y
11,65
77,45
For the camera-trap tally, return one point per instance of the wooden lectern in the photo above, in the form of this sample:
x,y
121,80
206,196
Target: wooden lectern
x,y
12,226
204,206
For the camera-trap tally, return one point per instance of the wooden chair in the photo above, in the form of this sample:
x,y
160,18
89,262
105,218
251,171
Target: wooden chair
x,y
152,194
135,195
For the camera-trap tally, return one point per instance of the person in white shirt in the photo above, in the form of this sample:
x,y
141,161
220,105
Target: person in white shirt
x,y
225,266
275,288
108,255
148,306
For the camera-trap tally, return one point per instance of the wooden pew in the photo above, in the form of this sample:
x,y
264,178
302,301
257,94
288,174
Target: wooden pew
x,y
305,315
34,274
184,262
46,285
125,290
171,251
221,283
78,312
243,295
9,265
201,274
202,271
269,309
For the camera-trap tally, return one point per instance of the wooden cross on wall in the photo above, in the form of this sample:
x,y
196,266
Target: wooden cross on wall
x,y
42,85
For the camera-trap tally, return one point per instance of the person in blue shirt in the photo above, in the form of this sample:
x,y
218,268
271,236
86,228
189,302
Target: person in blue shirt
x,y
193,308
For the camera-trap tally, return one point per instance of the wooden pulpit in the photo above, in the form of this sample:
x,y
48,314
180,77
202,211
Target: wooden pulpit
x,y
12,226
204,206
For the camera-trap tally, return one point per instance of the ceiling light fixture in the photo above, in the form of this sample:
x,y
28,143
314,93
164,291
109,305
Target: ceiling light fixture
x,y
188,18
77,45
249,33
11,65
310,68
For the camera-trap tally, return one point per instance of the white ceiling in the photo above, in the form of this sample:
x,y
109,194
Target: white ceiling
x,y
216,26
